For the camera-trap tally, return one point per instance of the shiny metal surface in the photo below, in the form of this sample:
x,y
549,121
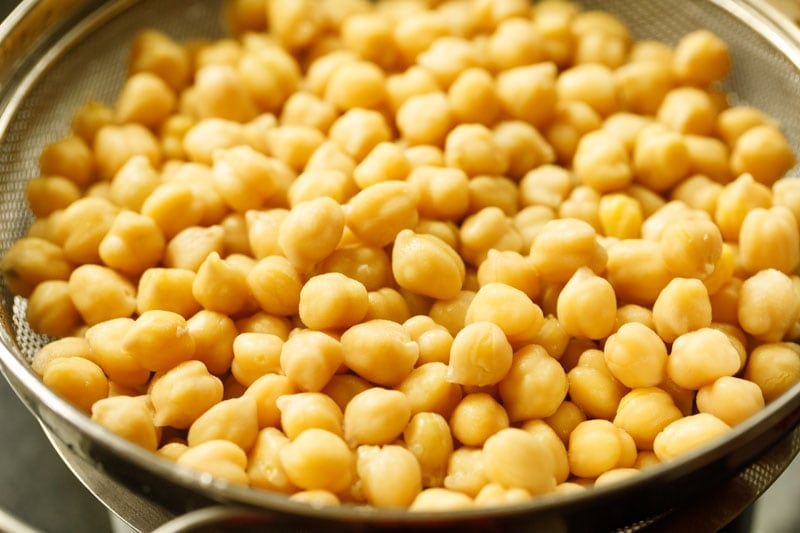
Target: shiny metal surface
x,y
54,55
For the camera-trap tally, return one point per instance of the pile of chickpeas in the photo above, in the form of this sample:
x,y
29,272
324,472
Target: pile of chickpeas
x,y
484,249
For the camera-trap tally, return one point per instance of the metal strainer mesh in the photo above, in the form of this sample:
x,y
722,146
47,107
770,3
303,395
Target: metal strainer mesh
x,y
90,64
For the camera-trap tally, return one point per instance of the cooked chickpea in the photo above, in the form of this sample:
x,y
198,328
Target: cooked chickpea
x,y
264,468
46,194
490,228
310,359
356,84
700,357
774,367
472,148
534,386
466,472
79,381
686,434
221,458
155,52
660,159
266,390
254,355
644,412
367,345
275,284
70,158
494,303
769,238
429,438
442,193
130,417
764,153
51,311
100,293
593,387
529,93
159,340
526,147
318,459
115,144
168,289
515,458
133,243
418,260
480,355
636,355
602,162
643,84
358,131
182,394
31,261
564,419
768,305
477,417
332,301
572,120
376,464
89,118
730,399
591,83
587,305
701,58
377,214
428,389
234,420
682,306
595,447
376,416
620,216
637,270
564,246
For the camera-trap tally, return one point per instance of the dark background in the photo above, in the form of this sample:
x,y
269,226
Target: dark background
x,y
38,489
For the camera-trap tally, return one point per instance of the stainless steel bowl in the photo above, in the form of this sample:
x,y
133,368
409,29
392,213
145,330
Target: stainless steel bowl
x,y
56,54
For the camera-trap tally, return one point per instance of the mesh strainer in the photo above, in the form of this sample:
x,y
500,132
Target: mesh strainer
x,y
57,54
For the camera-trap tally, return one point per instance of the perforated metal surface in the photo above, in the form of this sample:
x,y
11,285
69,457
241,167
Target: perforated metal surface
x,y
89,63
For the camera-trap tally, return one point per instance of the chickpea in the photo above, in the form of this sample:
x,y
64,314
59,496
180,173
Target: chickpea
x,y
183,393
477,417
774,367
534,386
516,458
221,458
769,238
159,340
70,158
526,147
105,342
50,309
358,131
168,289
133,243
266,390
636,356
587,305
768,305
602,162
643,84
213,335
31,261
572,120
276,285
447,57
234,420
686,434
682,306
494,301
730,399
114,145
428,437
377,214
368,344
660,159
764,153
356,85
443,193
89,118
700,357
155,52
701,58
644,412
79,381
318,459
566,417
574,85
254,355
480,355
310,359
564,246
620,216
412,82
47,194
490,228
595,447
637,270
593,388
376,464
529,93
130,417
466,472
472,148
100,293
332,301
264,468
417,259
736,200
376,416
